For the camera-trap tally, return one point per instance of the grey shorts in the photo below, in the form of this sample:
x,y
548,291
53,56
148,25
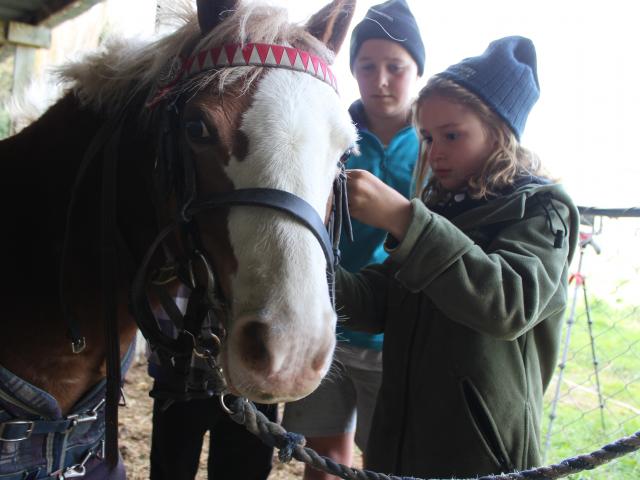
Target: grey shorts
x,y
343,402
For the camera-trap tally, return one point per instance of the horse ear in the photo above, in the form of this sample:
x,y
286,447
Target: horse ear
x,y
210,12
331,23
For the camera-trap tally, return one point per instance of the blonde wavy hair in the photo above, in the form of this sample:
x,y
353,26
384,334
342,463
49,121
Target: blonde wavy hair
x,y
508,161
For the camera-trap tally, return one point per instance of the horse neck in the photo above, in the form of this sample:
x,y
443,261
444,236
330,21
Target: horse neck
x,y
39,167
38,170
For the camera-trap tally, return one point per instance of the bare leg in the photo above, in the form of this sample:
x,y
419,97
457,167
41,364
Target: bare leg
x,y
337,447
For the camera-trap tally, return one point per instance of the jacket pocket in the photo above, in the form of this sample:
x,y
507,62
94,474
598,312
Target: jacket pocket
x,y
484,425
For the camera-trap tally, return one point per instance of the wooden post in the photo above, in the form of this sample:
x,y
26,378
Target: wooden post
x,y
7,56
27,39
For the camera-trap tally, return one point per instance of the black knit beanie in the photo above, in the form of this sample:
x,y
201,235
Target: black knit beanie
x,y
393,21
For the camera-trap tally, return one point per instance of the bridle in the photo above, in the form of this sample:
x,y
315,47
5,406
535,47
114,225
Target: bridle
x,y
200,330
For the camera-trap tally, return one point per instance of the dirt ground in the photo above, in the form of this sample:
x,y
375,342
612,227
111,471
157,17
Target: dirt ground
x,y
135,432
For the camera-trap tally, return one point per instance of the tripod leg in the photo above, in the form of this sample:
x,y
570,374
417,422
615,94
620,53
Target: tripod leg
x,y
563,361
594,357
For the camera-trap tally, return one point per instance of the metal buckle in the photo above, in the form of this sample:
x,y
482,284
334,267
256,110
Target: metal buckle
x,y
78,470
78,345
73,472
16,422
81,418
90,416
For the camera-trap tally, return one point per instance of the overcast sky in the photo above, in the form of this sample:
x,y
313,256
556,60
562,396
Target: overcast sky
x,y
585,126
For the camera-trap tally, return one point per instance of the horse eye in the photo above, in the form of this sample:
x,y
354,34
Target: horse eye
x,y
197,130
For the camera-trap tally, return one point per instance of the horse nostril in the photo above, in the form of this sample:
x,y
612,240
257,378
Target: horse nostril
x,y
253,343
318,362
322,357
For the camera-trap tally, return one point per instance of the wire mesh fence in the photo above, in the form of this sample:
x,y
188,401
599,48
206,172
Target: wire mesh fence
x,y
594,397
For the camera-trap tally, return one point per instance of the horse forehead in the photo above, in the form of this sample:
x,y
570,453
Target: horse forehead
x,y
291,108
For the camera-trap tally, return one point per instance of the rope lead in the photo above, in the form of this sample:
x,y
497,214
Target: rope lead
x,y
291,445
291,441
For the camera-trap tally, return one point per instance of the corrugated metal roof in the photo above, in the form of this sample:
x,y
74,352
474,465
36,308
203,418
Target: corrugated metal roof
x,y
48,12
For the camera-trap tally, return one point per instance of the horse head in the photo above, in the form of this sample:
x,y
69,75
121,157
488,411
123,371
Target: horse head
x,y
286,130
237,101
242,100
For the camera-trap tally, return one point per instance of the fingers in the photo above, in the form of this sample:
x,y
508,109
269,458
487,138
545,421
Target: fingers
x,y
359,186
361,180
355,175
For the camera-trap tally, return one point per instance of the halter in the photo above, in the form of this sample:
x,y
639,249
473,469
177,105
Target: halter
x,y
200,333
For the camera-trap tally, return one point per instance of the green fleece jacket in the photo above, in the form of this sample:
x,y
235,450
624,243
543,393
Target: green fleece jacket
x,y
472,312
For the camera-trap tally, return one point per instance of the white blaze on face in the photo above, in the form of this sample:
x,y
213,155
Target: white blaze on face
x,y
282,331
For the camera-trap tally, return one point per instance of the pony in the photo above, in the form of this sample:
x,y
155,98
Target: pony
x,y
115,181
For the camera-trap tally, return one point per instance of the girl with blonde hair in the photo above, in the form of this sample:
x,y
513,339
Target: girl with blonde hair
x,y
472,295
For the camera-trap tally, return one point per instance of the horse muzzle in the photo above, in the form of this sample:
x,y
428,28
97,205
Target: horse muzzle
x,y
265,363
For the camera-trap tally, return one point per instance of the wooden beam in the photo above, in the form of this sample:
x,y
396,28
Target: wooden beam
x,y
57,11
29,35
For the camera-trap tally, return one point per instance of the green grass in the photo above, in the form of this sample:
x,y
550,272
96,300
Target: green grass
x,y
6,83
4,124
578,427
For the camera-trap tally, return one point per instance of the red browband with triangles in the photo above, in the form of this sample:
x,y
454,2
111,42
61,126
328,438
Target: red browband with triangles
x,y
250,54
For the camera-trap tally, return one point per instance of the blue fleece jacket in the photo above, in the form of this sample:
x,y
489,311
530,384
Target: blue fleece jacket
x,y
393,164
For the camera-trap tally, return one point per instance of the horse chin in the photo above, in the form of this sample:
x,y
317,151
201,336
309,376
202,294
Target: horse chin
x,y
269,368
262,391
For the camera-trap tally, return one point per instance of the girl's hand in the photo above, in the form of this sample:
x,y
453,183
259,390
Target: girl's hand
x,y
373,202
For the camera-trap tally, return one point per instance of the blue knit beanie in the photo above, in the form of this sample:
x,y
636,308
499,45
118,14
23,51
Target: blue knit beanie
x,y
505,77
393,21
